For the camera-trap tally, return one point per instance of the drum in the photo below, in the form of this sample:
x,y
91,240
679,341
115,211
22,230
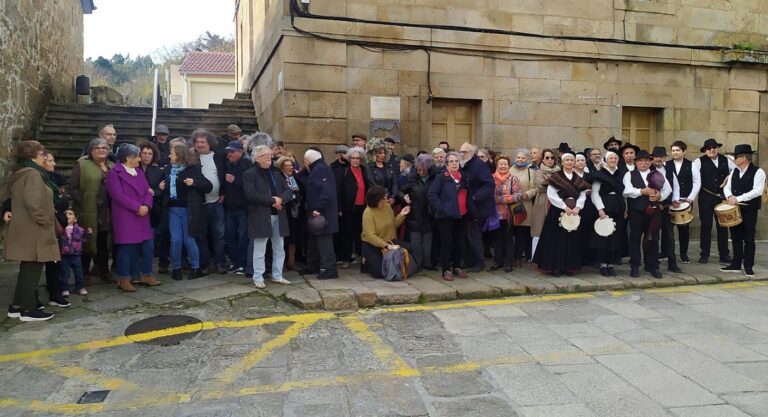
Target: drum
x,y
605,227
570,223
728,215
682,214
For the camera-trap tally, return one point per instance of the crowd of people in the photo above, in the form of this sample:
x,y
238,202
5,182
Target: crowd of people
x,y
244,204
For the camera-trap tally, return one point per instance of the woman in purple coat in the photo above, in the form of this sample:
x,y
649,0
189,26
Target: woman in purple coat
x,y
131,200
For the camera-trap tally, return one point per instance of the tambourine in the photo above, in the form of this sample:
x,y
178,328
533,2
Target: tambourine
x,y
570,222
605,227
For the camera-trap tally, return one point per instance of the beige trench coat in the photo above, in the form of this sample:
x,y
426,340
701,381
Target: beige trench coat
x,y
525,179
31,235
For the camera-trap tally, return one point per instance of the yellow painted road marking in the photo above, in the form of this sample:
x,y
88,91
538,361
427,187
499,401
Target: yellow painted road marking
x,y
384,352
231,374
82,374
482,303
300,321
156,334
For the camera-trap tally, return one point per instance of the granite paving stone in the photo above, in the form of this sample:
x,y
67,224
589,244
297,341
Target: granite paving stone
x,y
657,381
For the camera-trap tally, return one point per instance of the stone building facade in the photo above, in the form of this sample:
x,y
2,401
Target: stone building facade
x,y
508,73
40,57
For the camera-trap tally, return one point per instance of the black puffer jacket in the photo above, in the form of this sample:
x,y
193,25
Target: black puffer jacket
x,y
420,218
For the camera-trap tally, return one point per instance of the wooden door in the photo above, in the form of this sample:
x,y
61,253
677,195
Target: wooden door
x,y
638,126
454,121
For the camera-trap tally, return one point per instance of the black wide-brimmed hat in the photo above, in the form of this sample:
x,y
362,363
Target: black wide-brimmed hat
x,y
563,147
743,149
658,151
610,141
628,146
642,154
708,143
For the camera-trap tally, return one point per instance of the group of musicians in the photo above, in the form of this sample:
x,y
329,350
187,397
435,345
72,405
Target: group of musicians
x,y
640,196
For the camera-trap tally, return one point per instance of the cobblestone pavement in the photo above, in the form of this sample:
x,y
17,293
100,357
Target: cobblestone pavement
x,y
679,351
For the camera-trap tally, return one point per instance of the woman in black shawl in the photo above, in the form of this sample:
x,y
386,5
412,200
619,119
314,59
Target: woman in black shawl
x,y
559,250
607,189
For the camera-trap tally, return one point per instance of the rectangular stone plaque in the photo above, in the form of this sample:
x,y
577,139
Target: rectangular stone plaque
x,y
385,108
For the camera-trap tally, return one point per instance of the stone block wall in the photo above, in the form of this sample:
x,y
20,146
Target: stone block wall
x,y
40,57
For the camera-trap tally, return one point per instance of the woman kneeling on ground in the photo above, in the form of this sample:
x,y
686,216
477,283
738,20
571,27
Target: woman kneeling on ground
x,y
379,225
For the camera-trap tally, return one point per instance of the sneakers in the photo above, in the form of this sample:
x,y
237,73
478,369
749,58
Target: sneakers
x,y
749,273
239,270
259,284
459,273
82,291
13,312
58,301
65,293
730,268
281,280
684,259
35,315
345,265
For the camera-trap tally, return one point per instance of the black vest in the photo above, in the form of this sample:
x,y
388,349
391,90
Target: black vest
x,y
742,185
639,203
612,202
713,176
684,178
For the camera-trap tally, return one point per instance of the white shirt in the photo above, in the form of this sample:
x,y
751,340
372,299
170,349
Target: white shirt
x,y
630,168
697,164
696,173
558,202
757,186
631,192
211,173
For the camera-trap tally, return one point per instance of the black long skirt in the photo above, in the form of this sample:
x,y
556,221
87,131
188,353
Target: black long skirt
x,y
559,250
608,250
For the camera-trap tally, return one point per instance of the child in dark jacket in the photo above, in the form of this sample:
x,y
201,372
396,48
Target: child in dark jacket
x,y
71,245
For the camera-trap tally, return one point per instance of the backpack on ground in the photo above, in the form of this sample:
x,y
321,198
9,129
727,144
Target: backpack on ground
x,y
397,265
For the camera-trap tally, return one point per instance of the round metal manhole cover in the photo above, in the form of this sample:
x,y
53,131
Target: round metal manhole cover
x,y
164,330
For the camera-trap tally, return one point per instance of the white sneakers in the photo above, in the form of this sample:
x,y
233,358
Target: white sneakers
x,y
260,283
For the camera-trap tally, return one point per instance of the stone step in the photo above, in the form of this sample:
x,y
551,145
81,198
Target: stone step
x,y
242,96
138,129
67,128
354,290
111,114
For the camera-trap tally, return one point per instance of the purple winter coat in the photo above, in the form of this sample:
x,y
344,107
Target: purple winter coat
x,y
127,194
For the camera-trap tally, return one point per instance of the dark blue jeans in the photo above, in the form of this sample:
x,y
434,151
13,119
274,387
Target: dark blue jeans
x,y
237,237
133,254
74,263
214,225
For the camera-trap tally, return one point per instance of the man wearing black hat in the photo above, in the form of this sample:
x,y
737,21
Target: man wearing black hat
x,y
627,153
612,144
714,169
643,197
667,232
744,186
686,186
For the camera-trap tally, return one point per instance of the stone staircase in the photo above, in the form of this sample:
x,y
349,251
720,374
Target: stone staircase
x,y
67,128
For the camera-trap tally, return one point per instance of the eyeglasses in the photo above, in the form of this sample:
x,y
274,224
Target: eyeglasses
x,y
263,155
101,148
354,157
549,157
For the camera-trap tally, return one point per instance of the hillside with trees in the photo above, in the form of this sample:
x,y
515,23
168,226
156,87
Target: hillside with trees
x,y
133,76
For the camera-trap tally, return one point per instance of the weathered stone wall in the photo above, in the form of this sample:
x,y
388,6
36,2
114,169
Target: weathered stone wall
x,y
41,53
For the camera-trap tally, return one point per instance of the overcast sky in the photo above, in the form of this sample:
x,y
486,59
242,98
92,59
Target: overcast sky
x,y
139,27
